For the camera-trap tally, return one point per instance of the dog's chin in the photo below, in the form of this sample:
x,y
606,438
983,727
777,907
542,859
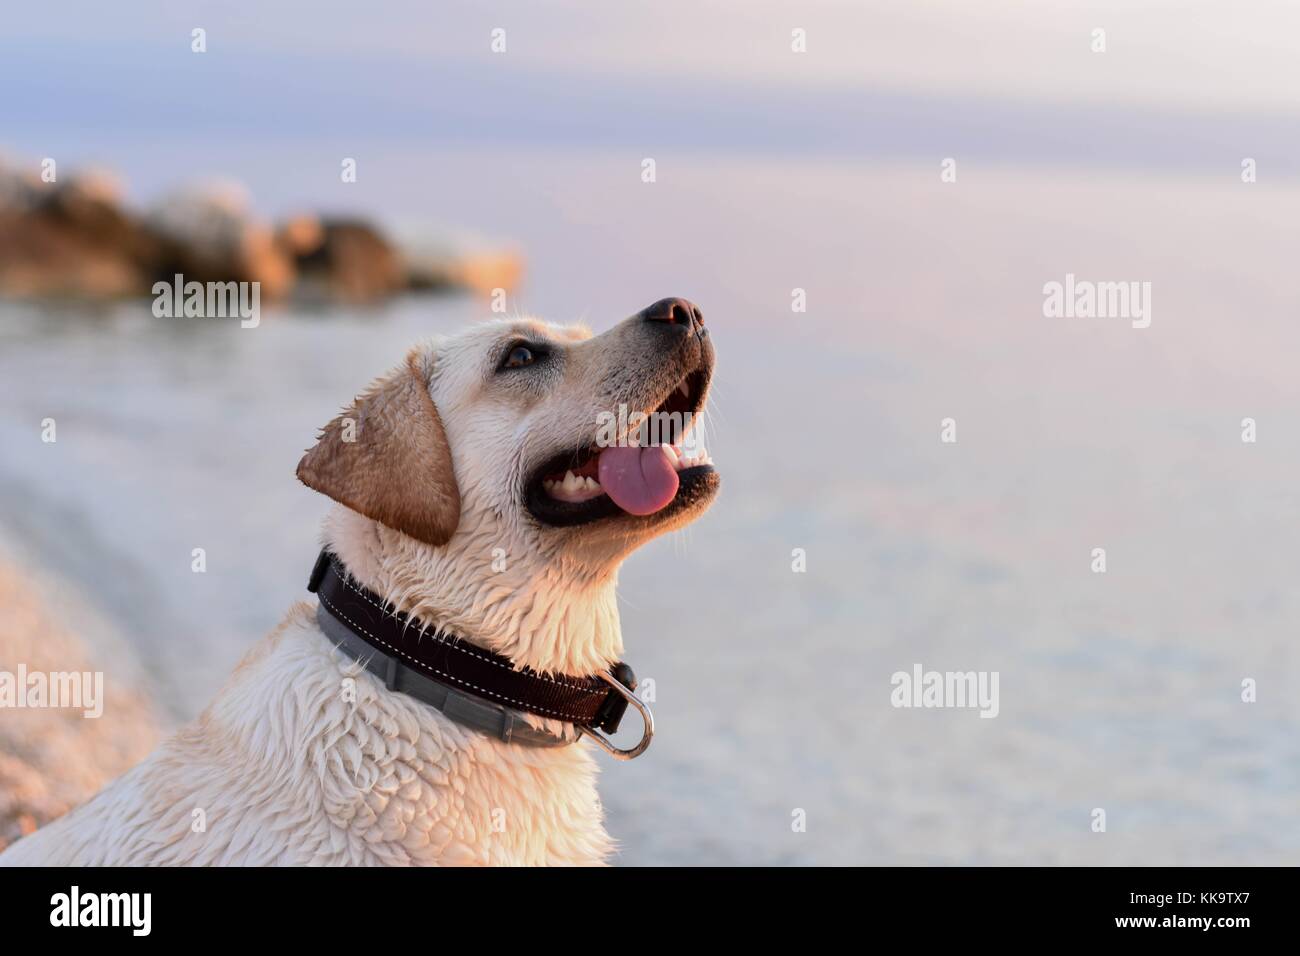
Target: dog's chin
x,y
697,486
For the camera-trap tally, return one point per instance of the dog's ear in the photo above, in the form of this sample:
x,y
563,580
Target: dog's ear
x,y
387,457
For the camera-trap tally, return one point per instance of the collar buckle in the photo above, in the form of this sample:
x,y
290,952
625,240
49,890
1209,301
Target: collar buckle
x,y
621,679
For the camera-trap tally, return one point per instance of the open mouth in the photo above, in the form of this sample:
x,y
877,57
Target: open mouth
x,y
658,470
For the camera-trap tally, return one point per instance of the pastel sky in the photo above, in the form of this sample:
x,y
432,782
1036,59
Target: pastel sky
x,y
1183,85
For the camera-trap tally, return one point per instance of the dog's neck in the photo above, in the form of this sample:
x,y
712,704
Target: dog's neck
x,y
547,615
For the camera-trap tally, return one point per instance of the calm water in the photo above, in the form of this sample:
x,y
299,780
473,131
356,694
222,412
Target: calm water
x,y
924,302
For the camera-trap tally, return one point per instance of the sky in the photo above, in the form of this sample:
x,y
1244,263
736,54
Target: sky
x,y
1189,53
1186,87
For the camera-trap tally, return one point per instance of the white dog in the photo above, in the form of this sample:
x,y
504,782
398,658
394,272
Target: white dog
x,y
476,498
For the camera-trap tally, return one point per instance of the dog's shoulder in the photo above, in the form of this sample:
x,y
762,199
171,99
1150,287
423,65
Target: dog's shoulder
x,y
398,782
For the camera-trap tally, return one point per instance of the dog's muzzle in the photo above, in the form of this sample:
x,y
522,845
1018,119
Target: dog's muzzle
x,y
470,685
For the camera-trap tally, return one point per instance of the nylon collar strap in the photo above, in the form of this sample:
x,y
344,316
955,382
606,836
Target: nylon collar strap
x,y
470,685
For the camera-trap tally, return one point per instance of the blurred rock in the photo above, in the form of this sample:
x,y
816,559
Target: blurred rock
x,y
300,236
344,259
69,238
77,238
209,235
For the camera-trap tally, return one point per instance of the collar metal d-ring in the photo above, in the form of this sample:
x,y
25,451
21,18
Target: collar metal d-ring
x,y
647,719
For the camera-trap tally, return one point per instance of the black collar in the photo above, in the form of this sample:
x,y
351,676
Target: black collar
x,y
469,684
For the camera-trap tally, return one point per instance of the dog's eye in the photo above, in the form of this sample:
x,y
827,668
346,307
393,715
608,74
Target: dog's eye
x,y
519,356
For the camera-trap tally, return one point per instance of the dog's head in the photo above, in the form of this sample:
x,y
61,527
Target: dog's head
x,y
537,440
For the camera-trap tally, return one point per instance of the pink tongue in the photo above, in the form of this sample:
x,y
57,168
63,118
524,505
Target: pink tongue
x,y
640,480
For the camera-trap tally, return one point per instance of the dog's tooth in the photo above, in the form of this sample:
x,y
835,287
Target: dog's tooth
x,y
683,390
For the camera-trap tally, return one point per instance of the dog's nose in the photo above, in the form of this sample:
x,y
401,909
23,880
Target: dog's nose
x,y
674,311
